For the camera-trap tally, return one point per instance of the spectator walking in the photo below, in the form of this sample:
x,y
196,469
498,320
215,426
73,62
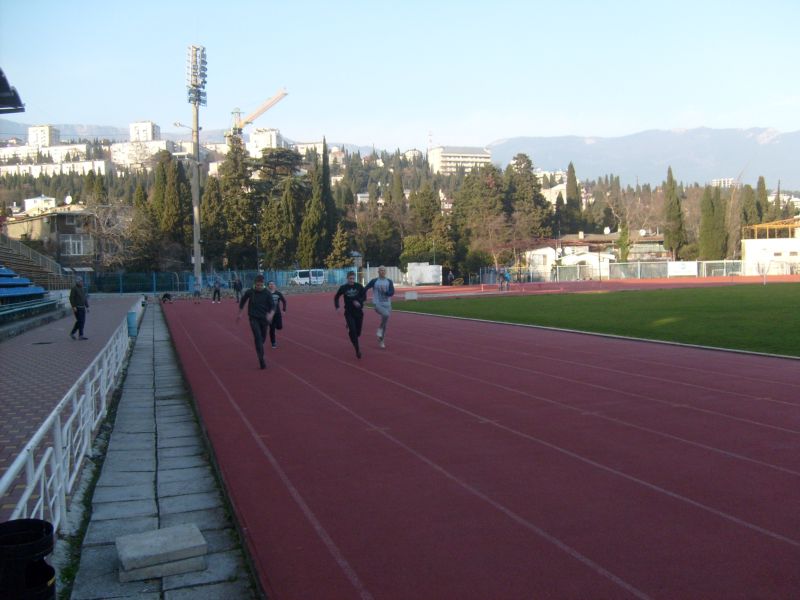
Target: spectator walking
x,y
354,297
237,288
79,301
501,278
260,311
216,295
382,291
277,320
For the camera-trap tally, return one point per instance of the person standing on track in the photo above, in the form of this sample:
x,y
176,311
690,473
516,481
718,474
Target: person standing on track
x,y
260,310
216,295
277,320
382,292
354,297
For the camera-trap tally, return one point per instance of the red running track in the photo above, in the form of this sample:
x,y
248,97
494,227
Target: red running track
x,y
475,460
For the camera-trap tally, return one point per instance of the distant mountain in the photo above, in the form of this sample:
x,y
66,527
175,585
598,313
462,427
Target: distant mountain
x,y
695,155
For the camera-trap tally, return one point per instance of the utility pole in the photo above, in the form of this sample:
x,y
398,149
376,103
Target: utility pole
x,y
196,95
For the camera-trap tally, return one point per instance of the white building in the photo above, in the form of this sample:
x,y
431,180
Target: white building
x,y
304,147
764,253
38,204
79,167
137,155
43,136
449,159
144,131
551,194
58,153
264,138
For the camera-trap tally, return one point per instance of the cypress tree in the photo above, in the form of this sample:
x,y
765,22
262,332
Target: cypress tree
x,y
674,233
340,250
311,242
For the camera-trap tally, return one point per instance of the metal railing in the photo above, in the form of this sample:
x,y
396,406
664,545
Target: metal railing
x,y
32,255
49,464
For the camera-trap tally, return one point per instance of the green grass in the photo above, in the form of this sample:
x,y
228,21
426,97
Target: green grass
x,y
757,318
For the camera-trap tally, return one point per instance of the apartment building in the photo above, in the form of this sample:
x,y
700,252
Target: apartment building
x,y
43,136
449,159
144,131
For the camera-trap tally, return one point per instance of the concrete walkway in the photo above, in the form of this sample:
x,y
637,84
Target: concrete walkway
x,y
157,474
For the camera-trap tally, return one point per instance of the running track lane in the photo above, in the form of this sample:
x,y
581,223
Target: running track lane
x,y
475,460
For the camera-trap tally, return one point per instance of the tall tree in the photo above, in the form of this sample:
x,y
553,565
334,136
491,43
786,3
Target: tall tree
x,y
423,206
340,250
214,229
572,211
712,243
311,244
674,232
762,201
239,212
331,216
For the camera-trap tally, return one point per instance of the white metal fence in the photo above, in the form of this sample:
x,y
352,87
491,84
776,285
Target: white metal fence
x,y
50,463
643,270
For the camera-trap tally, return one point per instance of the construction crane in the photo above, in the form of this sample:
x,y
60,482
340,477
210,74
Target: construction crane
x,y
239,123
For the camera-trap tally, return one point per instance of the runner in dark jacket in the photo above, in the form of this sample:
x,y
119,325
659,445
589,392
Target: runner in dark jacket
x,y
260,309
354,298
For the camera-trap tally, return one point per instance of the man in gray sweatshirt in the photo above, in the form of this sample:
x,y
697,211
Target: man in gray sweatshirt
x,y
382,291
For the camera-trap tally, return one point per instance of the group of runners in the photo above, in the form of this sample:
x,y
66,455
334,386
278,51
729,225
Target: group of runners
x,y
266,305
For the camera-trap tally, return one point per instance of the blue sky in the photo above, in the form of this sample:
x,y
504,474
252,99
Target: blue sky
x,y
399,74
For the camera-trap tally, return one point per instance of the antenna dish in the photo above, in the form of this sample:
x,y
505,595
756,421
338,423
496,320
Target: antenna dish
x,y
642,232
607,230
68,199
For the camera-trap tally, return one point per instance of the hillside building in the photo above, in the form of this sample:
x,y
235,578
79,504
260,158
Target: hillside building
x,y
449,159
144,131
43,136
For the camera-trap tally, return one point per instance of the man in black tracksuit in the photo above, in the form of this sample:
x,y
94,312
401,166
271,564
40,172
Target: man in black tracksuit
x,y
277,320
354,298
261,309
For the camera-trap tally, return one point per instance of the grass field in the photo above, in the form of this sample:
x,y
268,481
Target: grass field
x,y
757,318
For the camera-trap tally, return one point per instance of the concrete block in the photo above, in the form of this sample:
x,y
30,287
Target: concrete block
x,y
160,546
225,566
208,519
177,567
172,475
182,462
106,532
123,493
120,510
190,502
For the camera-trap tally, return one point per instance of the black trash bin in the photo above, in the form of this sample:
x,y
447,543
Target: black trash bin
x,y
24,574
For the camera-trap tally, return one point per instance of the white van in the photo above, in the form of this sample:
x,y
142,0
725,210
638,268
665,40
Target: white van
x,y
307,277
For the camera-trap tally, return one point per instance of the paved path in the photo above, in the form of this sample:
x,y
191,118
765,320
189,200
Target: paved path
x,y
39,366
157,474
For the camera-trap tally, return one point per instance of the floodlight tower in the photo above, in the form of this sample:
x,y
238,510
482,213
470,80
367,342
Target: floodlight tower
x,y
196,95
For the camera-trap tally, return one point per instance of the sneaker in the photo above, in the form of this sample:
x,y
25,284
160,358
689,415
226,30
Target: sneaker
x,y
381,344
379,333
274,345
358,353
83,337
72,335
261,363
